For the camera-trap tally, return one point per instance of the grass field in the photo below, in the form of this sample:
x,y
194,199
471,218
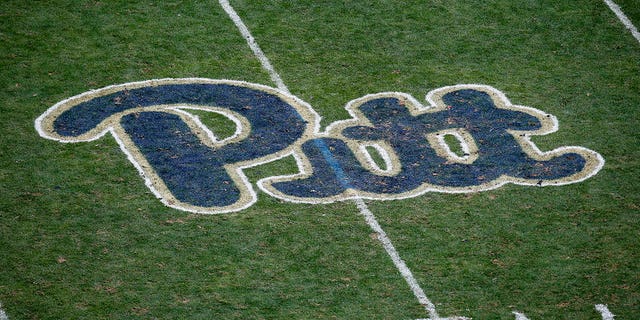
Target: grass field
x,y
82,237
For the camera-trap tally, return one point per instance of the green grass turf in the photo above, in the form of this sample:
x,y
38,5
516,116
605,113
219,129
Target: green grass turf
x,y
631,10
82,237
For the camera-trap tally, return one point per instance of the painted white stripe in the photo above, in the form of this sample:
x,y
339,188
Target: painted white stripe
x,y
520,316
623,18
3,315
604,311
395,257
364,210
251,41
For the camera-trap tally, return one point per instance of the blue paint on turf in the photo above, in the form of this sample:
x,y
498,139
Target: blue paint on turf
x,y
197,174
499,153
335,166
192,171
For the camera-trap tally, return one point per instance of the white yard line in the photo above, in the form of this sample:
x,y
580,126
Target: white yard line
x,y
395,257
364,210
275,77
623,18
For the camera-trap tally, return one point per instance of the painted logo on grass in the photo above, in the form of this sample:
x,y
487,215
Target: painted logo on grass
x,y
469,138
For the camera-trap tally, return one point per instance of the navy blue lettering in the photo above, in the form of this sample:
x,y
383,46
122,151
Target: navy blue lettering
x,y
499,153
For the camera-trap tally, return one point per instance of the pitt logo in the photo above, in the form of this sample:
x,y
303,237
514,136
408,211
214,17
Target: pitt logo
x,y
469,138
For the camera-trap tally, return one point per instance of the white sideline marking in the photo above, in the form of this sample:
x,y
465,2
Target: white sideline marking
x,y
623,18
604,311
364,210
3,315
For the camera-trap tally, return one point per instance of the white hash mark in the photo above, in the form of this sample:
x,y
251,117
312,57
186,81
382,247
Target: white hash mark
x,y
520,316
604,311
3,315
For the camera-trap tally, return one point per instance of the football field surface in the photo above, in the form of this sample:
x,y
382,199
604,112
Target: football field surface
x,y
320,160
